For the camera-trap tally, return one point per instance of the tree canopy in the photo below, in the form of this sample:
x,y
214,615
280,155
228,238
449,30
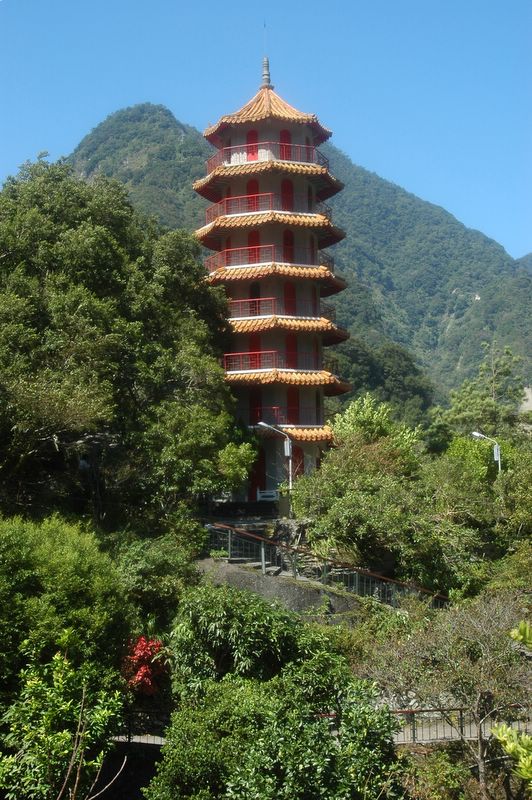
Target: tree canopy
x,y
112,393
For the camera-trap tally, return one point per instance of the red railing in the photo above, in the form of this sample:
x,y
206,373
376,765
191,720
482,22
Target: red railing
x,y
266,151
285,415
259,307
270,359
265,201
267,254
272,306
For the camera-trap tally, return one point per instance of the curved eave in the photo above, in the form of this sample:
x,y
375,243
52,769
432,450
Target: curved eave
x,y
330,283
331,384
265,105
314,433
328,234
330,332
212,186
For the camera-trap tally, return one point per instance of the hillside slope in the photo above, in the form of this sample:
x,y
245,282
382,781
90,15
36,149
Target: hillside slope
x,y
416,275
437,287
156,156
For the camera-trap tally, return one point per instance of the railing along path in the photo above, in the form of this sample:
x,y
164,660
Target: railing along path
x,y
416,725
239,543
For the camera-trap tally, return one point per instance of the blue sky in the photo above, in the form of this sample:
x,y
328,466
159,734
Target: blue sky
x,y
434,95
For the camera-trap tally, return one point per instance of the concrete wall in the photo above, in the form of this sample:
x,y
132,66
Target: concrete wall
x,y
296,595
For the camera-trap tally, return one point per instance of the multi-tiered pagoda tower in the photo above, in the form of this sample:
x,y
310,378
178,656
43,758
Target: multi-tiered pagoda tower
x,y
268,227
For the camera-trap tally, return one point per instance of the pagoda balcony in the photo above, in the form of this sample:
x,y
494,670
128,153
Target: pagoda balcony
x,y
266,201
270,359
285,415
266,151
268,254
273,307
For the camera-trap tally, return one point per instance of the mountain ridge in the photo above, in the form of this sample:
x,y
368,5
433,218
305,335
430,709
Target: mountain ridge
x,y
416,275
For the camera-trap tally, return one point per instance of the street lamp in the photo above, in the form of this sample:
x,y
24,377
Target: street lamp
x,y
496,446
287,452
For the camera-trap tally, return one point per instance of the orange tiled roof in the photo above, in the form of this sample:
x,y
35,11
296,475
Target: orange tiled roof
x,y
228,274
327,232
320,325
330,382
267,104
323,433
203,185
247,220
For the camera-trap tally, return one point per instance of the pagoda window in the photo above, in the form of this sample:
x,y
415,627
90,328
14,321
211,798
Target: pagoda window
x,y
254,247
315,304
291,351
228,252
313,259
289,299
288,246
316,354
298,461
292,402
287,195
285,146
255,406
254,344
257,480
310,199
318,408
252,191
308,148
254,297
252,145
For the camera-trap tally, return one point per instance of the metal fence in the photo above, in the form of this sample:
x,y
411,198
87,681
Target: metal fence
x,y
418,726
238,544
451,724
143,727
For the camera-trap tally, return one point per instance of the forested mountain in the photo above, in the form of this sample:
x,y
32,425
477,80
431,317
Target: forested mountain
x,y
416,275
526,261
156,156
436,286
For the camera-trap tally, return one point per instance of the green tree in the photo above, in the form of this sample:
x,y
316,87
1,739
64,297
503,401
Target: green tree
x,y
519,745
490,401
379,502
113,398
310,732
60,729
221,630
53,578
461,657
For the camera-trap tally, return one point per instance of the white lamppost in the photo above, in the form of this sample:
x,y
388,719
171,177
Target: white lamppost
x,y
288,455
496,446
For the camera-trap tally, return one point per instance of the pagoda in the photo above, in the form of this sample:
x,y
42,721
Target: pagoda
x,y
268,227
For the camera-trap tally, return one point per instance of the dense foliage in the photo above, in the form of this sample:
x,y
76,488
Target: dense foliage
x,y
435,286
112,394
381,502
155,156
60,729
259,696
57,590
416,276
386,370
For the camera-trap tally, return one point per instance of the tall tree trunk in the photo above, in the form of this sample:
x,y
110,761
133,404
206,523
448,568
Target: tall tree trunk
x,y
481,759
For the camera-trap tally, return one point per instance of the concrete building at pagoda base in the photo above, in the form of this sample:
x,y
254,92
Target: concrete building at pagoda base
x,y
268,226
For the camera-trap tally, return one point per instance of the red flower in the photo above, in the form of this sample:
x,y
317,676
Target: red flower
x,y
142,667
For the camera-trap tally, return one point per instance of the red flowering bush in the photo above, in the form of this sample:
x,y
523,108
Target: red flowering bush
x,y
144,667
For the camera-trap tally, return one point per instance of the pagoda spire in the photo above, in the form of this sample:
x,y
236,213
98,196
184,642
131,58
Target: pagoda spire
x,y
266,80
